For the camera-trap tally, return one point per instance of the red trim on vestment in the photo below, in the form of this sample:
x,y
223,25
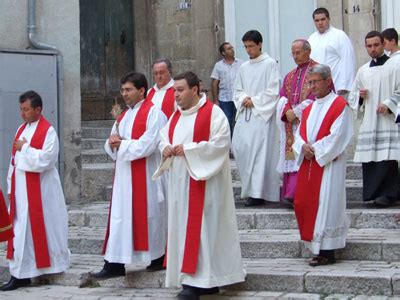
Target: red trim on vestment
x,y
202,128
168,103
6,229
310,173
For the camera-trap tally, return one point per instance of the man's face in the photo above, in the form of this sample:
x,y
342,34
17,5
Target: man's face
x,y
131,94
300,56
374,46
161,74
228,52
28,113
185,96
321,22
252,49
319,87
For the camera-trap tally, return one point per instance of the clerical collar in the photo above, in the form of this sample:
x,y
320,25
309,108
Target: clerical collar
x,y
165,87
379,61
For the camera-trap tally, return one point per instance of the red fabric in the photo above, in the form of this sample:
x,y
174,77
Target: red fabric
x,y
196,190
310,173
34,194
168,103
6,229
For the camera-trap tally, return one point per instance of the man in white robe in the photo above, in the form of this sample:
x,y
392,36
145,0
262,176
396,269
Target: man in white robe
x,y
255,142
37,204
391,44
378,141
332,47
137,220
325,130
203,250
162,93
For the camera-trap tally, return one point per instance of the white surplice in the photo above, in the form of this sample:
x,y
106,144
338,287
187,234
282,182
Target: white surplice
x,y
331,224
379,137
334,48
120,242
255,141
219,260
23,264
160,93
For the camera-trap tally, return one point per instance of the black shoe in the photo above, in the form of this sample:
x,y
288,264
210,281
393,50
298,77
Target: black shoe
x,y
15,283
254,202
109,270
194,293
383,202
156,264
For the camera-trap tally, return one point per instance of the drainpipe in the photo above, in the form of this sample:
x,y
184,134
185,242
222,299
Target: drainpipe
x,y
60,80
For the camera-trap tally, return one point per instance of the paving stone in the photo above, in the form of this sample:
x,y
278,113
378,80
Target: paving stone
x,y
298,296
96,132
339,297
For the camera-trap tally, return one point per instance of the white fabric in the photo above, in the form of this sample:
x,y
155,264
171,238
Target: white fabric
x,y
23,264
331,224
284,165
219,261
334,48
120,242
378,137
160,93
255,141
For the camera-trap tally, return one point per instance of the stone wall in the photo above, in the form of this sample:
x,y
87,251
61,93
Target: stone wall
x,y
58,25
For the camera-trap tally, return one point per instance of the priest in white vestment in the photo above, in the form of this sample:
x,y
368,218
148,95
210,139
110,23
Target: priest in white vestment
x,y
255,142
325,130
378,141
137,223
391,45
203,250
332,47
37,205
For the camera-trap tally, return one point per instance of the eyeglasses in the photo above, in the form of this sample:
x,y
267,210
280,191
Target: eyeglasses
x,y
313,82
123,91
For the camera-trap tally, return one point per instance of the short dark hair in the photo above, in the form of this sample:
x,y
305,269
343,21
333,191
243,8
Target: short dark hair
x,y
320,11
36,100
191,79
253,36
391,34
163,60
372,34
222,47
137,79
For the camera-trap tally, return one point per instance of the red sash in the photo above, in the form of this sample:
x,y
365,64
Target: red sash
x,y
139,186
168,103
34,195
197,189
310,173
6,228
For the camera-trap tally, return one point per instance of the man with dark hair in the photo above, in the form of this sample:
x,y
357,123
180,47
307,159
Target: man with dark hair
x,y
223,81
378,146
255,143
162,93
37,206
391,44
331,46
203,241
136,230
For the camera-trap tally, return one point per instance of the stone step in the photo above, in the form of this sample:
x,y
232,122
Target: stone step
x,y
280,275
362,244
96,215
93,143
96,132
98,124
95,156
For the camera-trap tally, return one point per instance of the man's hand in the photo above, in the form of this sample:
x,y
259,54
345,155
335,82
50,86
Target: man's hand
x,y
290,116
18,144
382,109
247,102
178,150
363,93
308,151
168,152
114,141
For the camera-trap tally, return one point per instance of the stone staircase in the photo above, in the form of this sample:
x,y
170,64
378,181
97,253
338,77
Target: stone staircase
x,y
274,258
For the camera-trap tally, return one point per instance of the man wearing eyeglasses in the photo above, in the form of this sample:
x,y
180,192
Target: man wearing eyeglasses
x,y
325,131
162,93
136,230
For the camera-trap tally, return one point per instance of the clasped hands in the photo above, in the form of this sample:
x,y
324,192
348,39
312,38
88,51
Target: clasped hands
x,y
170,151
308,151
290,116
114,141
19,143
247,102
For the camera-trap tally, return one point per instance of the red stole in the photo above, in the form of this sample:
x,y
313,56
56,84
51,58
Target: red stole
x,y
139,185
6,228
197,189
168,102
310,173
34,195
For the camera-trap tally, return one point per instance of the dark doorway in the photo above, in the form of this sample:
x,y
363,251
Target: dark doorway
x,y
106,53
